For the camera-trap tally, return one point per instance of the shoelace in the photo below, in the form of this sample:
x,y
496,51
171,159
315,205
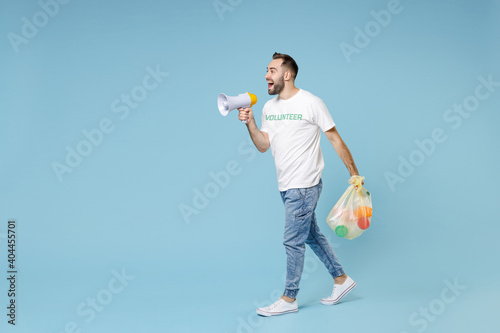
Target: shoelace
x,y
275,304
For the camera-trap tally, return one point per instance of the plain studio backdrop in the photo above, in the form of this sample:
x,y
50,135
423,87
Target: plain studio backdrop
x,y
139,208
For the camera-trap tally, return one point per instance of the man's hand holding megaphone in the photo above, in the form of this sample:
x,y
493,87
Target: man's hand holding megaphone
x,y
246,115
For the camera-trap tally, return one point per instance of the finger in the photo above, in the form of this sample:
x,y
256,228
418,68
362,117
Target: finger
x,y
243,115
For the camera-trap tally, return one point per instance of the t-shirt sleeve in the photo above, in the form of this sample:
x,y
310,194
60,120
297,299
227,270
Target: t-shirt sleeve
x,y
263,121
322,117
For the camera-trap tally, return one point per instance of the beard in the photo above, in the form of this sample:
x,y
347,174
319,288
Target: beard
x,y
277,87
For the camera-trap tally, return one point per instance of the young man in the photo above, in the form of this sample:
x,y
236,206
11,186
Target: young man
x,y
291,125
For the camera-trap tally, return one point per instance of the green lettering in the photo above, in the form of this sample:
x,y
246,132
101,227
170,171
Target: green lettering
x,y
287,116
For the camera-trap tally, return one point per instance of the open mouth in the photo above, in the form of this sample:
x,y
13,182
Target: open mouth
x,y
269,85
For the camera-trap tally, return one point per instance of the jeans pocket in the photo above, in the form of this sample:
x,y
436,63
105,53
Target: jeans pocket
x,y
302,193
305,207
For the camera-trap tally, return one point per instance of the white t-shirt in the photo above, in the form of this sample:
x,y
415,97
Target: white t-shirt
x,y
294,127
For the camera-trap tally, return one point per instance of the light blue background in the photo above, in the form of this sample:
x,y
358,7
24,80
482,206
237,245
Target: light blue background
x,y
119,209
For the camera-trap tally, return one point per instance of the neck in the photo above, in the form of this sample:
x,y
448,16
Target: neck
x,y
289,91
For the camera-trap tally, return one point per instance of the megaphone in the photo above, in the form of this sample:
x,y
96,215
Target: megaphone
x,y
229,103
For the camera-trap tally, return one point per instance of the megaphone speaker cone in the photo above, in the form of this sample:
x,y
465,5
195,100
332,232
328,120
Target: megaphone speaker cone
x,y
223,104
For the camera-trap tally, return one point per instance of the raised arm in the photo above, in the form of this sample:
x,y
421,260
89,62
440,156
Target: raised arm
x,y
342,150
260,139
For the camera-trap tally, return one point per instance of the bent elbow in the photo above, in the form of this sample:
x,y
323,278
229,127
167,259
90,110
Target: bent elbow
x,y
263,149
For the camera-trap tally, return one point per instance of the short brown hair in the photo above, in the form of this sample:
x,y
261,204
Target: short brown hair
x,y
288,63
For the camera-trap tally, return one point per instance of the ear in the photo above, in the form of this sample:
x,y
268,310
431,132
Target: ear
x,y
287,75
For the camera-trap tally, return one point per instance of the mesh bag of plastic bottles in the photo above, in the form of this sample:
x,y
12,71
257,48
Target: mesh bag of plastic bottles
x,y
352,214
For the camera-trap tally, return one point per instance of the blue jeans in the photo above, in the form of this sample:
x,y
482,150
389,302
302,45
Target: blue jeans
x,y
300,229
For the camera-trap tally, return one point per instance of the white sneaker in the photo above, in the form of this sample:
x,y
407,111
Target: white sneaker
x,y
278,308
339,291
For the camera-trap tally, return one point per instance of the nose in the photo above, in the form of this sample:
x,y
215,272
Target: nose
x,y
267,76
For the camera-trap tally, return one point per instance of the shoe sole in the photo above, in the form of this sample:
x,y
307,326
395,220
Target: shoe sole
x,y
269,314
332,302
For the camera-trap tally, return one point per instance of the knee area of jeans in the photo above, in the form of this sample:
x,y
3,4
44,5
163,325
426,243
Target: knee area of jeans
x,y
303,214
291,245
